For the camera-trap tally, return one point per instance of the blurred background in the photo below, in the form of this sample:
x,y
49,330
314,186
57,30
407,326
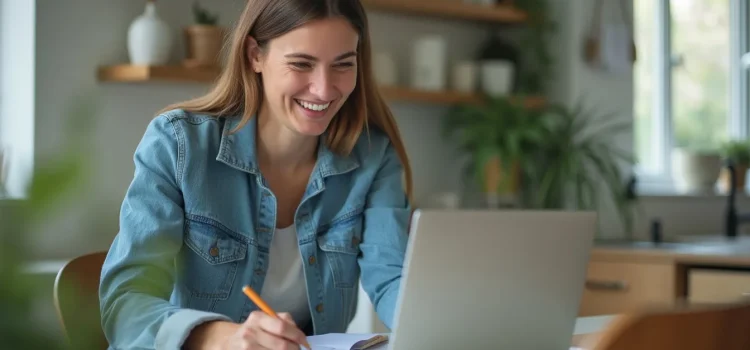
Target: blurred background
x,y
629,107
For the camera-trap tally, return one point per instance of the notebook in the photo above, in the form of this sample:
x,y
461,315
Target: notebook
x,y
341,341
348,341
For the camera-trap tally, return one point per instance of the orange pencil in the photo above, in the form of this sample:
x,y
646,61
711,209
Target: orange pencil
x,y
264,306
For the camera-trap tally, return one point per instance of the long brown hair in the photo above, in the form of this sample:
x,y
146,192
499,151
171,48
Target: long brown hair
x,y
238,90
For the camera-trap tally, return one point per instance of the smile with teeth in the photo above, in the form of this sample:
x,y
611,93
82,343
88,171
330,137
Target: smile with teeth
x,y
312,106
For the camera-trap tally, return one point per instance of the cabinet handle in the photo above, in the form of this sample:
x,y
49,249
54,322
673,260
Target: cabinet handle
x,y
606,285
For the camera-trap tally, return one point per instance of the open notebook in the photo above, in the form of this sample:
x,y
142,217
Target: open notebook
x,y
354,341
340,341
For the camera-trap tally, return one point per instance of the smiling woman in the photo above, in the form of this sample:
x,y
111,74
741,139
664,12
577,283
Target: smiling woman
x,y
308,74
289,177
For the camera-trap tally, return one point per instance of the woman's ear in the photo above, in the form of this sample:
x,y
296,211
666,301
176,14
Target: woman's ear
x,y
253,54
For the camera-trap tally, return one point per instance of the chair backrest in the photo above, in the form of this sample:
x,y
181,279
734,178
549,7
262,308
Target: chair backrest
x,y
707,327
76,296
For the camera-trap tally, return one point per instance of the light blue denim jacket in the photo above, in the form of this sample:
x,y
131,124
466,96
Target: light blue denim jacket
x,y
197,221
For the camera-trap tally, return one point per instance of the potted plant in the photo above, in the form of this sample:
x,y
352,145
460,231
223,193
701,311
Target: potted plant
x,y
52,181
576,164
695,168
204,39
738,153
496,134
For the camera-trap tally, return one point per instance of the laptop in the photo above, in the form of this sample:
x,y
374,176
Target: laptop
x,y
488,279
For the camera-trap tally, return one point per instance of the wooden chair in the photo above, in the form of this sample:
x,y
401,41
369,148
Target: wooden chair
x,y
76,296
706,327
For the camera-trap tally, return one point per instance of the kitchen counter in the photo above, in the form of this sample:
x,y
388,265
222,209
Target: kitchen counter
x,y
630,274
706,251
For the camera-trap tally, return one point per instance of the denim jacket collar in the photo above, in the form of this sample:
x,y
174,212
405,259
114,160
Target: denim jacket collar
x,y
239,151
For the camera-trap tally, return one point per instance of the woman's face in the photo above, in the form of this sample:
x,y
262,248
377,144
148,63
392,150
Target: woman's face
x,y
307,74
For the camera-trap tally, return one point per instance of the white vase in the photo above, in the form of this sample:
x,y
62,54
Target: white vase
x,y
497,77
695,172
149,38
429,63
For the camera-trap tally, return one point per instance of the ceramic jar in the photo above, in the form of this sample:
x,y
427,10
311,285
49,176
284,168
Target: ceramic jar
x,y
429,63
149,38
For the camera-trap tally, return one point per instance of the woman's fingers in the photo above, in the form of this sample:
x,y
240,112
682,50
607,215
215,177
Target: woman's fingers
x,y
274,342
278,327
287,317
282,329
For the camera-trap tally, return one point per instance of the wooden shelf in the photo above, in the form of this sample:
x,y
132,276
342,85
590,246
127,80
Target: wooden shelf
x,y
133,73
145,74
405,94
450,9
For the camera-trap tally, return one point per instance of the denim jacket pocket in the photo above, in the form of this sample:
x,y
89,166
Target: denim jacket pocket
x,y
211,262
340,247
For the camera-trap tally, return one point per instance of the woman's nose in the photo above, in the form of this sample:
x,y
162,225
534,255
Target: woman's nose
x,y
322,85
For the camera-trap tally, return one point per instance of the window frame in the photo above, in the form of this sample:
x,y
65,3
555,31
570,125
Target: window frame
x,y
660,180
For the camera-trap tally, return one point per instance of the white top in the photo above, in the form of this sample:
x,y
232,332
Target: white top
x,y
284,288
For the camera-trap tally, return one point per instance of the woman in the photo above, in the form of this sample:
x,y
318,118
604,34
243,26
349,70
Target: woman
x,y
288,177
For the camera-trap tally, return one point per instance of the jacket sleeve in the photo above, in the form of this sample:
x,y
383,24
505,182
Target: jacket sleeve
x,y
386,220
138,274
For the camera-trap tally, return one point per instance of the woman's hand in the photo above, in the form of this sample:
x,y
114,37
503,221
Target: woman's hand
x,y
263,332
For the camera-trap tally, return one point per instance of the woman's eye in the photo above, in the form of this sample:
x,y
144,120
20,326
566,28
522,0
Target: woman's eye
x,y
345,65
301,65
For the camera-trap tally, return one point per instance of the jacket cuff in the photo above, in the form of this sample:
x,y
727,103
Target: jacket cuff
x,y
176,329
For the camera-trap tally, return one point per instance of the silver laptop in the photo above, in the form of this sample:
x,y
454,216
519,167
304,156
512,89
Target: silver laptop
x,y
492,279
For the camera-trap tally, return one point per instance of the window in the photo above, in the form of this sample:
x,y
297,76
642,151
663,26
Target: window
x,y
17,84
691,89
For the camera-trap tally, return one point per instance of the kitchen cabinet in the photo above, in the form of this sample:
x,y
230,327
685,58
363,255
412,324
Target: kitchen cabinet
x,y
709,286
622,279
615,287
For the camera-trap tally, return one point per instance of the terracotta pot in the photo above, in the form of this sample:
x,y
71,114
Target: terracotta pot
x,y
501,186
203,44
495,176
740,175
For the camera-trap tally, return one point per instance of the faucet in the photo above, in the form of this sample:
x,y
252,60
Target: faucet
x,y
733,220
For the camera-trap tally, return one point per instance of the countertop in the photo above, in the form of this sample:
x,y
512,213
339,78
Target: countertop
x,y
703,251
696,250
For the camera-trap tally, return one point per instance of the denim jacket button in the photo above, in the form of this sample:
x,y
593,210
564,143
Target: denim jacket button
x,y
214,251
259,272
319,308
355,241
311,260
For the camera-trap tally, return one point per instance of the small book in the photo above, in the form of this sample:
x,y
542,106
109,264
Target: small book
x,y
370,343
345,341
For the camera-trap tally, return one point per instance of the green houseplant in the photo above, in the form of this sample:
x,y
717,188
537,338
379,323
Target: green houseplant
x,y
204,39
53,179
577,164
203,16
535,46
738,153
496,134
551,157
